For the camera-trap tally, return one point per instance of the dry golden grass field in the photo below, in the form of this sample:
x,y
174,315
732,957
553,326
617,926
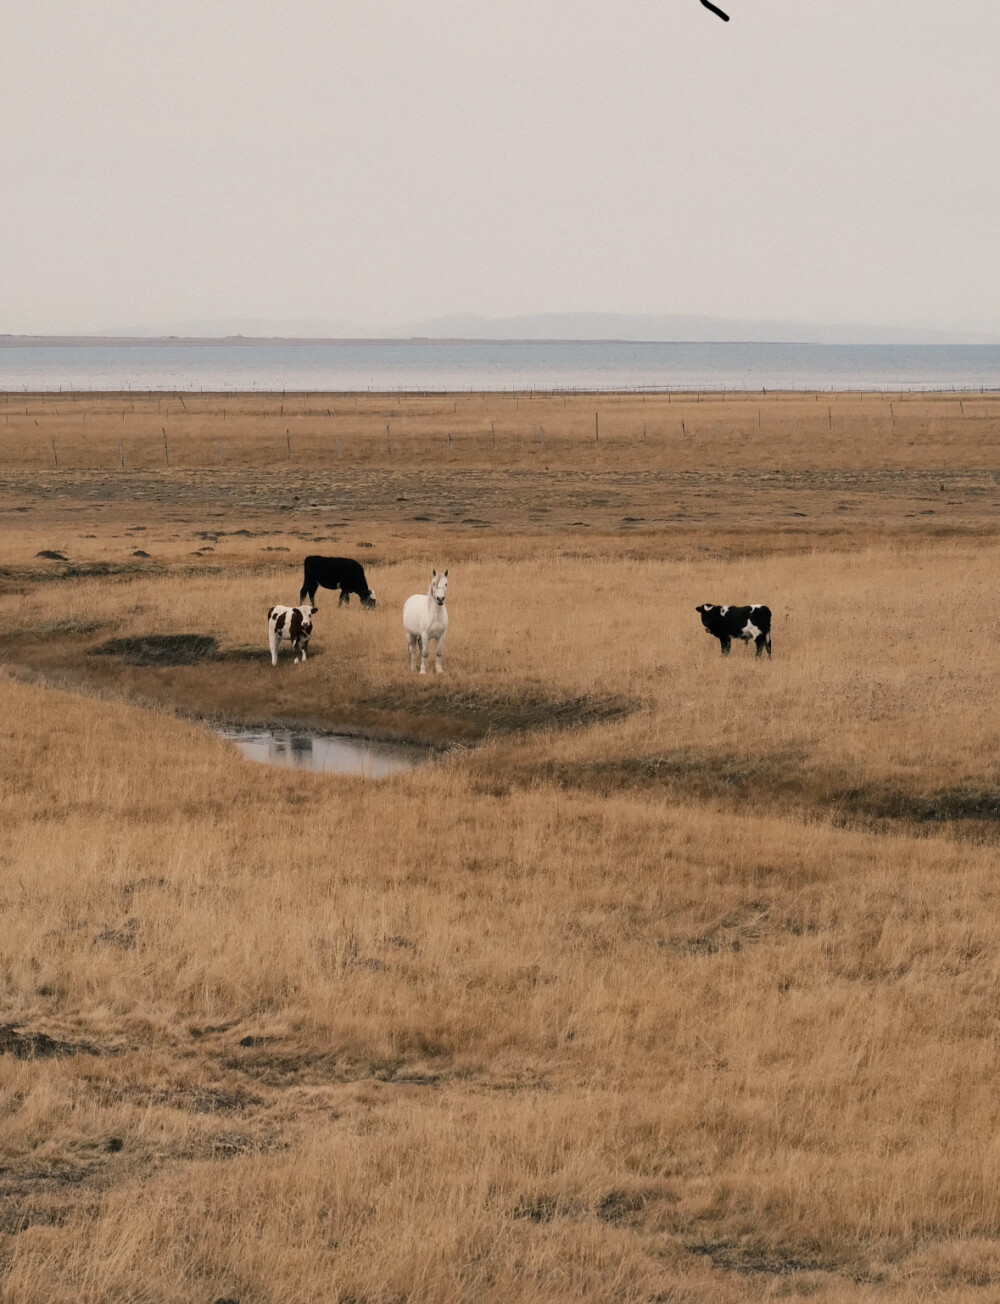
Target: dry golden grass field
x,y
670,978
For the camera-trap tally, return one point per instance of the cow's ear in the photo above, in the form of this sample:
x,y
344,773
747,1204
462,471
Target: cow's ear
x,y
314,611
270,612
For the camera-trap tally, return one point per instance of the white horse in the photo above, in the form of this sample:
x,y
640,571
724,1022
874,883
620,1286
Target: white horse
x,y
425,617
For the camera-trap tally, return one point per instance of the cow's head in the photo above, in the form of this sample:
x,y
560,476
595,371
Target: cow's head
x,y
370,601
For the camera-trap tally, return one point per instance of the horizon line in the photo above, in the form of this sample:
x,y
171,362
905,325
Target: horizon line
x,y
84,340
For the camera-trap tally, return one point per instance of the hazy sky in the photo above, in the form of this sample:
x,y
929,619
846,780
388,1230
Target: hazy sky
x,y
375,162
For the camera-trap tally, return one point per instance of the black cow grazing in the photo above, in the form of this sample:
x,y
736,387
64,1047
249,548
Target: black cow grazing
x,y
336,573
751,624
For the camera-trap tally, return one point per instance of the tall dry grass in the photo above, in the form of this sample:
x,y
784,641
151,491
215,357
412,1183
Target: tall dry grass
x,y
645,431
531,1046
695,1001
882,669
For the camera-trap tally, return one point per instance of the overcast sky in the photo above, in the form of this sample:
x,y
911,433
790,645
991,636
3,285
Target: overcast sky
x,y
375,162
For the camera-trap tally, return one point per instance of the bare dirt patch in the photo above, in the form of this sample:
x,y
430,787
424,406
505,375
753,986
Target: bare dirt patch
x,y
69,570
160,649
753,1260
481,713
780,779
949,805
685,774
39,1045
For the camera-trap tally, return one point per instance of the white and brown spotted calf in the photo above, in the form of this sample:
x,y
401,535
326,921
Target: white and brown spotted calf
x,y
293,623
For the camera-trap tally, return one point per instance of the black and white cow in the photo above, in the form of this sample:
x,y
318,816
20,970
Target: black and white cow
x,y
751,624
336,573
293,623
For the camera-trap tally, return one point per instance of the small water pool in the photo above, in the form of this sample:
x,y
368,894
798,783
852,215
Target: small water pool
x,y
325,753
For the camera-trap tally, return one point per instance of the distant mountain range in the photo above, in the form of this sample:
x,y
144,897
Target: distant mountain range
x,y
575,326
677,329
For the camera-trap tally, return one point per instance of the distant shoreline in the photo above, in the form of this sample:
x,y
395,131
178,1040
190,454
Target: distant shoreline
x,y
237,363
305,341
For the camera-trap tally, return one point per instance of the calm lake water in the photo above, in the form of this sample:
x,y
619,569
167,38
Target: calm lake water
x,y
413,365
325,753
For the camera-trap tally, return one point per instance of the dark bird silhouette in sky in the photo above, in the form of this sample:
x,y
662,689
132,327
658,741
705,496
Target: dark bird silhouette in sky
x,y
724,17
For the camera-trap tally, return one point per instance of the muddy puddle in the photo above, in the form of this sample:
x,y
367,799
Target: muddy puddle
x,y
326,753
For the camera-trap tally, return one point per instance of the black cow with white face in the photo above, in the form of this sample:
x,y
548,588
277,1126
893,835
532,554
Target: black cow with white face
x,y
751,624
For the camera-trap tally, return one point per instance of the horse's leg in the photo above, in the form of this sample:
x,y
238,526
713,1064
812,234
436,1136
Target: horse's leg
x,y
412,641
425,647
438,667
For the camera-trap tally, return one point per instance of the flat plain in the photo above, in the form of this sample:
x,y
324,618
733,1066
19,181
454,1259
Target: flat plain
x,y
672,978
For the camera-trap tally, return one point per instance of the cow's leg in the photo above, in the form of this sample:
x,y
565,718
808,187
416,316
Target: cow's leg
x,y
344,597
425,647
304,593
413,640
727,643
438,667
304,646
767,642
273,640
761,641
